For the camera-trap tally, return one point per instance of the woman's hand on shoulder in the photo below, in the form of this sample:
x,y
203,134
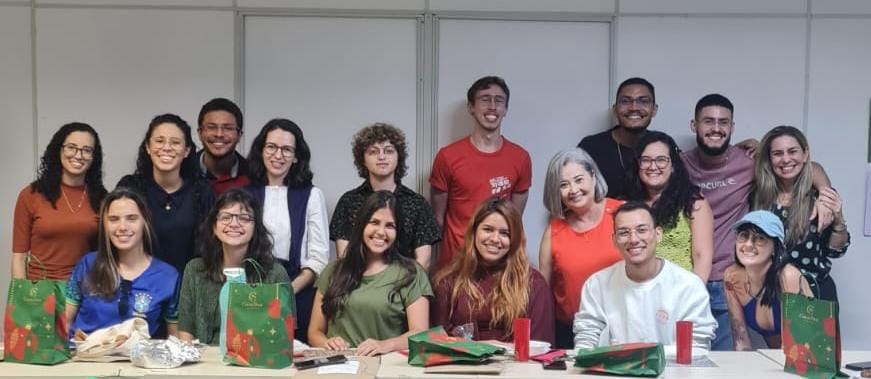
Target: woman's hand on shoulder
x,y
371,347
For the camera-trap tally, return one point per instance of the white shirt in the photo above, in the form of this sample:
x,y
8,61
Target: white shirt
x,y
315,250
615,309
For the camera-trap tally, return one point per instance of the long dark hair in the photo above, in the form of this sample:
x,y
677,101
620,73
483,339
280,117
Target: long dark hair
x,y
259,248
348,272
679,195
299,175
103,279
144,166
48,180
771,289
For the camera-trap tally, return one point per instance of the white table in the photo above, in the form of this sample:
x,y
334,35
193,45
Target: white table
x,y
847,356
747,364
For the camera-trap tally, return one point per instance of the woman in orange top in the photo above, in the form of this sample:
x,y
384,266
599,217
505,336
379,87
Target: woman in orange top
x,y
56,215
577,242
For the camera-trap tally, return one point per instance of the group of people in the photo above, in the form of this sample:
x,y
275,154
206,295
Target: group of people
x,y
637,230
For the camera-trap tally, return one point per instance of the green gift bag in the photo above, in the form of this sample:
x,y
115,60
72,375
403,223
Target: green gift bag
x,y
811,337
260,322
35,328
630,359
435,347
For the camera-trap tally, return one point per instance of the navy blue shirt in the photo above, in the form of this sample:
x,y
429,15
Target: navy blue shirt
x,y
175,216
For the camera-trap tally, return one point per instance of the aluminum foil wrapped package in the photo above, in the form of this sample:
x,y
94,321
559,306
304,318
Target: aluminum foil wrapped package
x,y
169,353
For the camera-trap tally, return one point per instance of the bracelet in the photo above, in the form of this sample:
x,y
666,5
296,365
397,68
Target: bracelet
x,y
842,229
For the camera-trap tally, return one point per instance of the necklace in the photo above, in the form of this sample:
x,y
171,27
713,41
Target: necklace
x,y
67,200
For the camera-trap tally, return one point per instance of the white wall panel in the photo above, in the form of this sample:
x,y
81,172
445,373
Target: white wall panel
x,y
558,76
850,7
333,76
116,69
838,127
756,63
591,6
148,3
16,105
713,6
337,4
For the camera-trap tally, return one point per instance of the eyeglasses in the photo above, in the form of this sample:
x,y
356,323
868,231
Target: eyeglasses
x,y
70,151
242,218
495,100
756,238
287,151
225,128
642,101
174,143
375,150
624,234
124,301
660,162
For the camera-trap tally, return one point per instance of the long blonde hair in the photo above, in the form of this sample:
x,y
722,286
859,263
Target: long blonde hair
x,y
510,295
768,185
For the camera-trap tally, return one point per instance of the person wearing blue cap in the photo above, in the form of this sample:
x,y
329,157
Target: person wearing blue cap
x,y
760,274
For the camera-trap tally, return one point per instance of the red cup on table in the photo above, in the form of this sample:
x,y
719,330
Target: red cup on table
x,y
521,339
684,339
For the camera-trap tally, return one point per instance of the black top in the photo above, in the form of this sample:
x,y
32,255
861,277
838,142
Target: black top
x,y
812,255
175,216
614,161
418,226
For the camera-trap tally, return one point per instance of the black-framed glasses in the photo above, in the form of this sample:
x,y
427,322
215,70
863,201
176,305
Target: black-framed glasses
x,y
660,161
243,218
287,151
124,301
71,150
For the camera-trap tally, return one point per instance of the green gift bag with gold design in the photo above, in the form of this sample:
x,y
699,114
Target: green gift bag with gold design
x,y
435,347
811,337
260,322
34,327
629,359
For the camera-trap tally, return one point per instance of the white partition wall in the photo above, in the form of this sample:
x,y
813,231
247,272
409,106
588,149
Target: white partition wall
x,y
758,63
333,76
838,128
16,106
116,69
558,76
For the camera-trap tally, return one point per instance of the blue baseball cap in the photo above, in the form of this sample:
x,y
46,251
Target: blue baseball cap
x,y
768,222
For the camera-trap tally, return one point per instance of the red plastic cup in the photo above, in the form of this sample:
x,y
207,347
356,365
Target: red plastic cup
x,y
684,339
521,339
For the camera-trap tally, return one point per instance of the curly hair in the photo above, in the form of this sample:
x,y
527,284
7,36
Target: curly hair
x,y
48,179
510,295
679,194
189,168
377,133
259,248
300,174
348,272
103,279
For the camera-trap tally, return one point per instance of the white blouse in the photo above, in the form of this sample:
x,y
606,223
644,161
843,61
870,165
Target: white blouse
x,y
315,250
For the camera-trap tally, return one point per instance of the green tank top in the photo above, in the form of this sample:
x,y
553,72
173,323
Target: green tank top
x,y
676,245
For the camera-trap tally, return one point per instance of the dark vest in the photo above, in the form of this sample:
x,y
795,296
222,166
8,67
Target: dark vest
x,y
297,202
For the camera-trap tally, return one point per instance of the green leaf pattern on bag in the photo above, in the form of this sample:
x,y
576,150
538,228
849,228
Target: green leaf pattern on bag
x,y
435,347
35,329
630,359
260,325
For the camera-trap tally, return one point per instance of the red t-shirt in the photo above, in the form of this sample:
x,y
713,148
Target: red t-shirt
x,y
469,177
57,237
576,256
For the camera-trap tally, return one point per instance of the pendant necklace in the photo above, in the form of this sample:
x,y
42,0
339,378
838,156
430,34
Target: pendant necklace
x,y
67,200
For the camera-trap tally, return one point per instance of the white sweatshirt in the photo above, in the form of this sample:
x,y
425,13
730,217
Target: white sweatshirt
x,y
616,310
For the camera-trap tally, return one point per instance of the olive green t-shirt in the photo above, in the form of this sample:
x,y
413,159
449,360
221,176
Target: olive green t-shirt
x,y
369,311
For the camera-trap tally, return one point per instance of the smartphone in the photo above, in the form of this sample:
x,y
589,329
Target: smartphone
x,y
858,366
318,362
555,365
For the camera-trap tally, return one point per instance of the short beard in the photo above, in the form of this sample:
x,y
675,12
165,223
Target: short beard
x,y
635,131
712,151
